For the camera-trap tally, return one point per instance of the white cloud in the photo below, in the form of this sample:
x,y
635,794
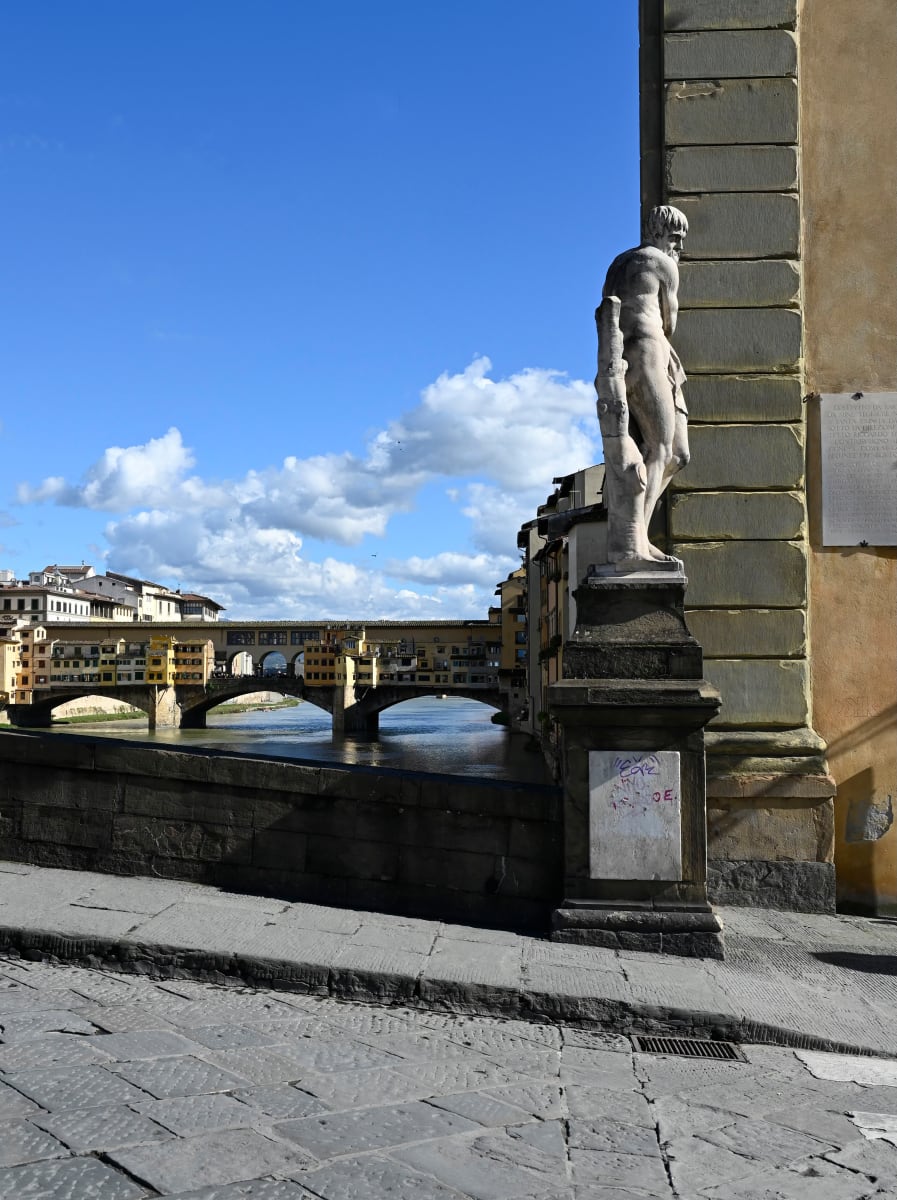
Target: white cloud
x,y
123,478
449,567
498,442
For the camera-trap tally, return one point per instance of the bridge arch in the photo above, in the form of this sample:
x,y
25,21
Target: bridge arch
x,y
39,713
222,688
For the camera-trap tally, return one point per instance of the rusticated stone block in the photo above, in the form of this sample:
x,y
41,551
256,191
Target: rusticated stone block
x,y
352,858
729,54
704,516
739,283
748,225
733,14
770,830
72,828
798,886
745,574
746,457
749,632
732,169
186,840
769,692
754,398
731,112
739,339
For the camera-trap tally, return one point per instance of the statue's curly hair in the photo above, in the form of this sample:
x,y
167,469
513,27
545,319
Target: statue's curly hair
x,y
662,219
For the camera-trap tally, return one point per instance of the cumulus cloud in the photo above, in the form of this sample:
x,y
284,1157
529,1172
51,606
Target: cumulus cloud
x,y
497,443
123,477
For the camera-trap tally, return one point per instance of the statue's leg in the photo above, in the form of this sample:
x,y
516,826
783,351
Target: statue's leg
x,y
651,401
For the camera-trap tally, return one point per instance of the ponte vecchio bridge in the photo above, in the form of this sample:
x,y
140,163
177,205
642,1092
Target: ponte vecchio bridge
x,y
353,670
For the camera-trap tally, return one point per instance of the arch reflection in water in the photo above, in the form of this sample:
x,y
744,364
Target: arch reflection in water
x,y
453,736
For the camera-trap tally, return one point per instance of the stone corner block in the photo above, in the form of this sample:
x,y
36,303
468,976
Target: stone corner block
x,y
730,54
708,112
740,339
767,692
732,169
729,14
752,398
749,225
744,457
739,283
763,516
744,575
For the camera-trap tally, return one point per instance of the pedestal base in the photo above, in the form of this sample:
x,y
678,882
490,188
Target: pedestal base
x,y
689,930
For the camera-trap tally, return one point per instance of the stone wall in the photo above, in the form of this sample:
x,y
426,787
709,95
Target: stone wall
x,y
486,851
721,141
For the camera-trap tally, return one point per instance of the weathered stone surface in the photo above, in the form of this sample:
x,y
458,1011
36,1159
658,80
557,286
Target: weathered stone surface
x,y
790,830
739,283
182,1163
731,169
185,1076
750,632
719,399
372,1128
102,1128
368,1176
771,516
742,225
743,14
761,691
23,1142
739,339
745,457
74,1087
729,54
799,886
84,1178
732,111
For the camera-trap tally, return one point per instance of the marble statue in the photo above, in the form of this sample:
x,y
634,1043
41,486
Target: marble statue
x,y
641,410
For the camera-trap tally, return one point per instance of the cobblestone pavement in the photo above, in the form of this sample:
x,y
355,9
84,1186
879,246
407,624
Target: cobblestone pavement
x,y
115,1087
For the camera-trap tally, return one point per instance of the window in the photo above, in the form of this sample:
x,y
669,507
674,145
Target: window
x,y
107,676
241,637
272,637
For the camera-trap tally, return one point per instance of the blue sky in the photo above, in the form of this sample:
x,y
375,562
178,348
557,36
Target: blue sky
x,y
297,297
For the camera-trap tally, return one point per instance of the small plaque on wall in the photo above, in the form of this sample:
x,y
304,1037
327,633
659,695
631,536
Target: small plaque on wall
x,y
635,815
859,469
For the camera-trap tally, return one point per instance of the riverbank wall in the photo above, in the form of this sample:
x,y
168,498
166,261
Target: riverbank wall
x,y
477,850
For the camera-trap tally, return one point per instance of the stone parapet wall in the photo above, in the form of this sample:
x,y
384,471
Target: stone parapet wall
x,y
478,850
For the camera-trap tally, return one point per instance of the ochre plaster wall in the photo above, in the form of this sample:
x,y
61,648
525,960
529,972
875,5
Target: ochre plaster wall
x,y
849,190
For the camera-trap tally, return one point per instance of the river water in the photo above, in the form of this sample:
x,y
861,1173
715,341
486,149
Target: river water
x,y
452,736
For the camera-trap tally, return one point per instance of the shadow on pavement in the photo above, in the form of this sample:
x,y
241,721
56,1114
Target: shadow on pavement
x,y
874,964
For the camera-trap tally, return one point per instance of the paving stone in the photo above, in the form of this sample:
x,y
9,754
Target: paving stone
x,y
470,1169
597,1040
832,1127
425,1045
256,1189
68,1179
290,1061
227,1157
630,1170
236,1037
544,1100
371,1128
676,1115
587,1102
24,1024
123,1018
102,1128
156,1043
14,1104
847,1068
354,1089
22,1142
190,1115
766,1142
876,1158
184,1076
604,1133
75,1087
814,1180
49,1049
480,1107
440,1078
282,1102
371,1176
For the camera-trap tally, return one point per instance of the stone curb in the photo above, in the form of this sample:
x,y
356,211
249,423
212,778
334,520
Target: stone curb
x,y
381,987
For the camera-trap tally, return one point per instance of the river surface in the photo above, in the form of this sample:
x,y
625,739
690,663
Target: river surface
x,y
453,736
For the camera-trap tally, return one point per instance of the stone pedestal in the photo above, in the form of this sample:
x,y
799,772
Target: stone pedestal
x,y
632,708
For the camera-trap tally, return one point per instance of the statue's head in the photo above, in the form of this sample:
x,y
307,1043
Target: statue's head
x,y
666,228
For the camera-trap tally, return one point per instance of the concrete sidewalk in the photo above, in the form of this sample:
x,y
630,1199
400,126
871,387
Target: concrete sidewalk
x,y
793,979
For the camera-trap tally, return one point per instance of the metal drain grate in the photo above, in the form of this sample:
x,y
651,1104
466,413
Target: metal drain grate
x,y
689,1048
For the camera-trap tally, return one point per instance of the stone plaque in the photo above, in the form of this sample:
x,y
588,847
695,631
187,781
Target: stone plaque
x,y
859,469
635,815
